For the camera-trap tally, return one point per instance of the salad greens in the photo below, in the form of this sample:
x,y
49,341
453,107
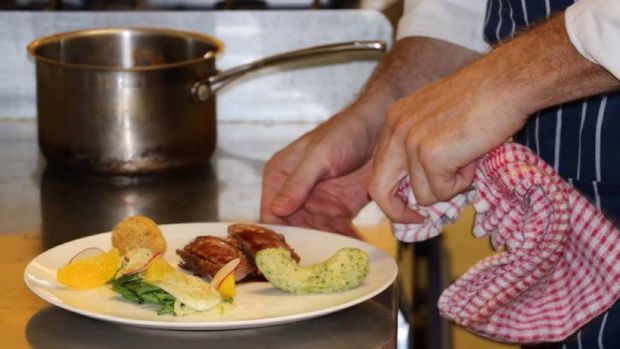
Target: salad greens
x,y
136,290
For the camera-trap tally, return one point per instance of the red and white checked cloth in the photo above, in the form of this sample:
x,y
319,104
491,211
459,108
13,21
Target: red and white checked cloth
x,y
560,264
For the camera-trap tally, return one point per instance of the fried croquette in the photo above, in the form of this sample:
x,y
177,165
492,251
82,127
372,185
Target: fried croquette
x,y
138,231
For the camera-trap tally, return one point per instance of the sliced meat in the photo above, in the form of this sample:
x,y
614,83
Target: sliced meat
x,y
253,238
205,255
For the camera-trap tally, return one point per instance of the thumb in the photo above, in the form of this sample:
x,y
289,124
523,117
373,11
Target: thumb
x,y
296,188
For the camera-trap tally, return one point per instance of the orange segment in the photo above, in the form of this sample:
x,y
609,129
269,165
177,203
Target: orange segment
x,y
227,286
89,272
157,270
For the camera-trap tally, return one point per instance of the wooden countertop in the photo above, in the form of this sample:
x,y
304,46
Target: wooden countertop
x,y
18,303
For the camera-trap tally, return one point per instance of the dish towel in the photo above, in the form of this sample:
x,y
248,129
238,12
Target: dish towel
x,y
559,264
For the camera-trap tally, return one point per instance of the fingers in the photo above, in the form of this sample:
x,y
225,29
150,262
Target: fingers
x,y
277,170
417,173
288,178
388,169
272,182
438,169
429,152
296,188
446,185
340,224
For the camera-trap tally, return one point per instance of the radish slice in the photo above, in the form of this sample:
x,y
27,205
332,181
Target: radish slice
x,y
145,265
137,260
224,272
87,253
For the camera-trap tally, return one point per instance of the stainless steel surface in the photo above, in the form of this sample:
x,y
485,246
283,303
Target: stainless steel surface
x,y
367,325
76,205
117,100
203,89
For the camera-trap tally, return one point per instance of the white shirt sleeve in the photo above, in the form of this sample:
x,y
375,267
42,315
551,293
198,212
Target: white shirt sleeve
x,y
593,27
460,22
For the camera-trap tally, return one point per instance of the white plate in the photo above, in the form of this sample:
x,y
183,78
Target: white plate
x,y
257,303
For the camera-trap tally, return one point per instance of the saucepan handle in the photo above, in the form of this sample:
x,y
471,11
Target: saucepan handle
x,y
203,89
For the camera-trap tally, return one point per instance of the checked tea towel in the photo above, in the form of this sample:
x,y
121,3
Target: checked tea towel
x,y
559,264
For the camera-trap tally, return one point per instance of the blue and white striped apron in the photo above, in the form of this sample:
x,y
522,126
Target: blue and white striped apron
x,y
581,140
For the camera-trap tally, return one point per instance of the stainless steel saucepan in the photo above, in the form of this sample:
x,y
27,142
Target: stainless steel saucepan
x,y
137,100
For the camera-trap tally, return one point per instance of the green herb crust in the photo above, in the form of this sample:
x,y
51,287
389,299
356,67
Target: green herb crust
x,y
346,269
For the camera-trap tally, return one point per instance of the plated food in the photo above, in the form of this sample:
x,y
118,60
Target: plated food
x,y
346,269
138,232
135,268
206,254
265,255
255,304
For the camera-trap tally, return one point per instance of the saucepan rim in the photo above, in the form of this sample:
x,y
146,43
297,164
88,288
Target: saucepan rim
x,y
218,46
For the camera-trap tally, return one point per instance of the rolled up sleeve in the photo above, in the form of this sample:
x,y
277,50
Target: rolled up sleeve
x,y
460,22
593,27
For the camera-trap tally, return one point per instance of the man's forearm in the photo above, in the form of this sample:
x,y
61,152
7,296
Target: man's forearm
x,y
412,63
541,68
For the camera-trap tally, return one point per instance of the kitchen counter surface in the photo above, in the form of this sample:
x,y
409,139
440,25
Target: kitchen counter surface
x,y
40,208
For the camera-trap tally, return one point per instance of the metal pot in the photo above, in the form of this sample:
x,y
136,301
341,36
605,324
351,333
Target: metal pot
x,y
137,100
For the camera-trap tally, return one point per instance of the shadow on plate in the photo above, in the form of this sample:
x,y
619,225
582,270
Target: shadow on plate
x,y
367,325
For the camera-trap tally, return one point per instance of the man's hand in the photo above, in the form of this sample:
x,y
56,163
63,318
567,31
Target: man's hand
x,y
320,179
437,134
